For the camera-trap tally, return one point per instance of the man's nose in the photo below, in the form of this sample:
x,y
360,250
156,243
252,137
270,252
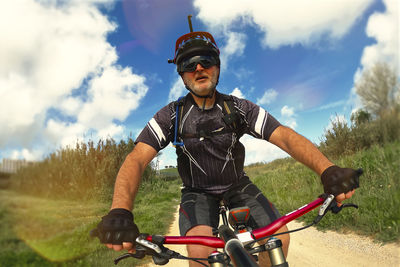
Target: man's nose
x,y
199,67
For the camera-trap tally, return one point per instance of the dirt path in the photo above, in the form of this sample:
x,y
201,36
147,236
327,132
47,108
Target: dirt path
x,y
314,248
174,231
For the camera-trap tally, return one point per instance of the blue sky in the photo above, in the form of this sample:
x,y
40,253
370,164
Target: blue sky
x,y
80,70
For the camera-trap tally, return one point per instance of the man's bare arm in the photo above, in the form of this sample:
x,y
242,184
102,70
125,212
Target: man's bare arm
x,y
129,176
300,148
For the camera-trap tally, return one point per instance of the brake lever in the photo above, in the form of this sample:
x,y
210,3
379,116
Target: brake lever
x,y
161,255
330,204
139,254
141,249
336,209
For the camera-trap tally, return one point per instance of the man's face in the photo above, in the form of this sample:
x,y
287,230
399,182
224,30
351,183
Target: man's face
x,y
202,80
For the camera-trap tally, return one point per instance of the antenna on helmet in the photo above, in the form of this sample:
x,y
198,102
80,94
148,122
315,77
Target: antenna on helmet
x,y
190,23
191,30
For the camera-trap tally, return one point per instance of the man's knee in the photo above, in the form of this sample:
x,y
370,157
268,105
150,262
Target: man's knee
x,y
285,238
199,230
199,251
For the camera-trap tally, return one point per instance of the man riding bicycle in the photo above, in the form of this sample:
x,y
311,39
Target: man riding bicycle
x,y
206,127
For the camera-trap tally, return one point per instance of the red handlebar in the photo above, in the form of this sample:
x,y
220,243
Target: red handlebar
x,y
257,233
276,225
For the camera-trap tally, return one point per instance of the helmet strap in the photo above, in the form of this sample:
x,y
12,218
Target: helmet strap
x,y
204,104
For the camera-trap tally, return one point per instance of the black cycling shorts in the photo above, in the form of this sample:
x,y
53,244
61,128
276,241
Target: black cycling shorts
x,y
199,208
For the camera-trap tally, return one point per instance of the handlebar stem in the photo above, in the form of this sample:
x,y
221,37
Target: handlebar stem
x,y
274,248
238,254
216,259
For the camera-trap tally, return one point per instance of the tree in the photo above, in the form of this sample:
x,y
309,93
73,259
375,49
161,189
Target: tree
x,y
360,116
379,89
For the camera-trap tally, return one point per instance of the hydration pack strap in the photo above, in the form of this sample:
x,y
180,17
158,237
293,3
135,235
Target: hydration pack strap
x,y
231,117
178,120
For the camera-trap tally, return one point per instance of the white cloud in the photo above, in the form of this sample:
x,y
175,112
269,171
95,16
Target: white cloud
x,y
167,158
291,123
57,63
243,73
268,97
236,92
260,150
286,111
384,28
64,133
334,119
234,47
285,22
177,90
70,105
288,117
112,95
354,102
331,105
26,154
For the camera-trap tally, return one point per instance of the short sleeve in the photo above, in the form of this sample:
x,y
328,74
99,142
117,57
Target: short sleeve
x,y
259,123
158,131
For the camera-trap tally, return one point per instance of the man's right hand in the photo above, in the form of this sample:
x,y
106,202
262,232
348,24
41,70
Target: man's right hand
x,y
117,230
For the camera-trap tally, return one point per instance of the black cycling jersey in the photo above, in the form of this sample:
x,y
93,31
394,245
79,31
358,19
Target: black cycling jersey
x,y
212,164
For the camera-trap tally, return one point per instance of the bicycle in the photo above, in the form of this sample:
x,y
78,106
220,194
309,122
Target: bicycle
x,y
237,243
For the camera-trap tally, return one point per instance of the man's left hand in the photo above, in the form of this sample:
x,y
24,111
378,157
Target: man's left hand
x,y
340,182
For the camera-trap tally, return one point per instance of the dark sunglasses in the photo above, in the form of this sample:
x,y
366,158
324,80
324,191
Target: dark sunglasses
x,y
190,64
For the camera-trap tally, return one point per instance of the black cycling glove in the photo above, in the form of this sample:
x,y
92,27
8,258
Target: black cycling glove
x,y
116,227
338,180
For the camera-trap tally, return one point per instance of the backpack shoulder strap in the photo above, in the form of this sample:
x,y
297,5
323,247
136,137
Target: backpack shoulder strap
x,y
232,117
179,106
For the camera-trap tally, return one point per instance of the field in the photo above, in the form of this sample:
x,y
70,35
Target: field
x,y
36,231
43,231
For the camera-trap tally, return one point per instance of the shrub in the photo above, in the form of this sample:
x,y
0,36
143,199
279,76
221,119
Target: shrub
x,y
86,171
363,132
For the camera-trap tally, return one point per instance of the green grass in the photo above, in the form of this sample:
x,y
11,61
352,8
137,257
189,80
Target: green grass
x,y
289,185
36,231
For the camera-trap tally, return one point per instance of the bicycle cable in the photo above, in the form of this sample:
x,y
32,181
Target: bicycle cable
x,y
287,232
198,260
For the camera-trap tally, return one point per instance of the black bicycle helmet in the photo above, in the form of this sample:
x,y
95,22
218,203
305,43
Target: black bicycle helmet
x,y
193,44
